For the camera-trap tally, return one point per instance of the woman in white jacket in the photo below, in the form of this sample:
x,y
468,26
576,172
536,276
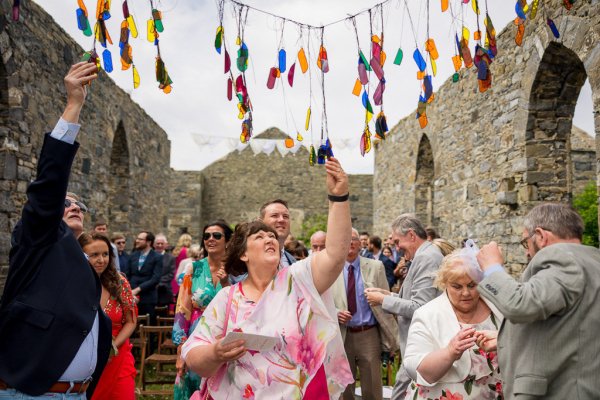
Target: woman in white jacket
x,y
441,354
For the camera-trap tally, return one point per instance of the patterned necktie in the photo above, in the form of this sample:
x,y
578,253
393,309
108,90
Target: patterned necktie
x,y
351,290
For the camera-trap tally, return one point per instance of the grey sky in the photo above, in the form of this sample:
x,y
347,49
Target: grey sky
x,y
198,103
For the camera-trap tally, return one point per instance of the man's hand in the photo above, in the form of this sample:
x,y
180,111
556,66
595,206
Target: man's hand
x,y
78,76
375,296
489,255
337,180
344,317
136,291
487,340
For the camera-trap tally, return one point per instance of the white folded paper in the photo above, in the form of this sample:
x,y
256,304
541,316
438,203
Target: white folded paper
x,y
253,342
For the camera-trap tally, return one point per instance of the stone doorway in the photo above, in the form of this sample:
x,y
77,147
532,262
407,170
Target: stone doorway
x,y
119,186
556,159
424,182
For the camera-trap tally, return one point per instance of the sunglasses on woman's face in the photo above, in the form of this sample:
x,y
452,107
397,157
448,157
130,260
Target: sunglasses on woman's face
x,y
215,235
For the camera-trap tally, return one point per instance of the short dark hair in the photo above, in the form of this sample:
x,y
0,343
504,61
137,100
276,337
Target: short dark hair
x,y
375,241
364,233
267,204
100,222
432,233
221,224
238,245
297,249
149,237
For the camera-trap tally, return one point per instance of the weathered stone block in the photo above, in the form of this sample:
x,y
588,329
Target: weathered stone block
x,y
508,198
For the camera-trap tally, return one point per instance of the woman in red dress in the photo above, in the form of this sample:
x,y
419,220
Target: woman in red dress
x,y
118,378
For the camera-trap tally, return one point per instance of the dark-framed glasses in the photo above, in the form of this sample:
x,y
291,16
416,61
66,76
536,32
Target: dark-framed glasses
x,y
215,235
525,243
82,207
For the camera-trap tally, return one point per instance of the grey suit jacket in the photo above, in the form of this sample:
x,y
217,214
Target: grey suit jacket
x,y
373,275
548,345
416,290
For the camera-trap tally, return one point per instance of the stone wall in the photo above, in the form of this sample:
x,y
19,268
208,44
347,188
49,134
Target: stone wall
x,y
234,188
122,168
485,159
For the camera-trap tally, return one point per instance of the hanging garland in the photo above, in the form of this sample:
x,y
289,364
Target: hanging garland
x,y
128,28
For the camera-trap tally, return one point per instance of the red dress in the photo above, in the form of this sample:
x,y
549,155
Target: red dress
x,y
117,381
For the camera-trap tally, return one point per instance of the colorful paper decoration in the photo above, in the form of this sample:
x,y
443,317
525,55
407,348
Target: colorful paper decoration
x,y
302,60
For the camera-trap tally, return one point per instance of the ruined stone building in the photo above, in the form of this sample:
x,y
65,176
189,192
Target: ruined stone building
x,y
235,187
482,162
122,168
485,159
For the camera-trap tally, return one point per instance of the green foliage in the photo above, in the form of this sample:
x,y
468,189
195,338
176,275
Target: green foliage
x,y
586,204
313,223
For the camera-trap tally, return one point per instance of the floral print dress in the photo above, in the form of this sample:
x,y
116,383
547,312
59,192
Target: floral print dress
x,y
196,292
482,383
306,325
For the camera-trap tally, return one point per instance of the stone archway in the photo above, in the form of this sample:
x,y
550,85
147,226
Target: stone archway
x,y
119,204
424,182
554,94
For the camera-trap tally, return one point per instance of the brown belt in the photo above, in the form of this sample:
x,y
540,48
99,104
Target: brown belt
x,y
361,328
58,387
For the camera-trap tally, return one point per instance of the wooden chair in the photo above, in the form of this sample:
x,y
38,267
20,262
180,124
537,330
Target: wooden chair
x,y
167,346
162,311
135,339
157,359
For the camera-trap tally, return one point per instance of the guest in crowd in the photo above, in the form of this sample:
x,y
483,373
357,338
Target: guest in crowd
x,y
308,361
417,289
200,285
195,253
297,249
143,271
53,338
118,379
548,346
120,242
164,288
441,356
181,253
431,234
387,251
317,241
445,246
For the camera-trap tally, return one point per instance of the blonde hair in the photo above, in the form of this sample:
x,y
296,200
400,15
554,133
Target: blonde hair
x,y
454,267
445,246
184,240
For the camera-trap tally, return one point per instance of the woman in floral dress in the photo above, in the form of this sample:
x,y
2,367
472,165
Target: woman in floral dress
x,y
117,381
441,354
200,285
291,304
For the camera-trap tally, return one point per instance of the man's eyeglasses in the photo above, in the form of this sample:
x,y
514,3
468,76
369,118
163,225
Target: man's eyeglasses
x,y
525,242
215,235
82,207
120,242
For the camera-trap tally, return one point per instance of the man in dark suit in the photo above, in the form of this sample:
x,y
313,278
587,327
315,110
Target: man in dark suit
x,y
165,292
389,265
54,337
144,269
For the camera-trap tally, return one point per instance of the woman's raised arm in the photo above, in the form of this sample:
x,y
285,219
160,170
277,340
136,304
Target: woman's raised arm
x,y
327,264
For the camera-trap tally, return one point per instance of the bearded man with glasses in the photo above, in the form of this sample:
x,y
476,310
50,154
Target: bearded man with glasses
x,y
54,338
144,269
548,344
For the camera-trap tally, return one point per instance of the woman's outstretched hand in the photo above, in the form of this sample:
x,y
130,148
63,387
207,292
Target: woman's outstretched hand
x,y
337,180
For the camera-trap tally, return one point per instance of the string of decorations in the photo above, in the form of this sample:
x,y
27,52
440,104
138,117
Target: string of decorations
x,y
128,28
522,9
425,58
